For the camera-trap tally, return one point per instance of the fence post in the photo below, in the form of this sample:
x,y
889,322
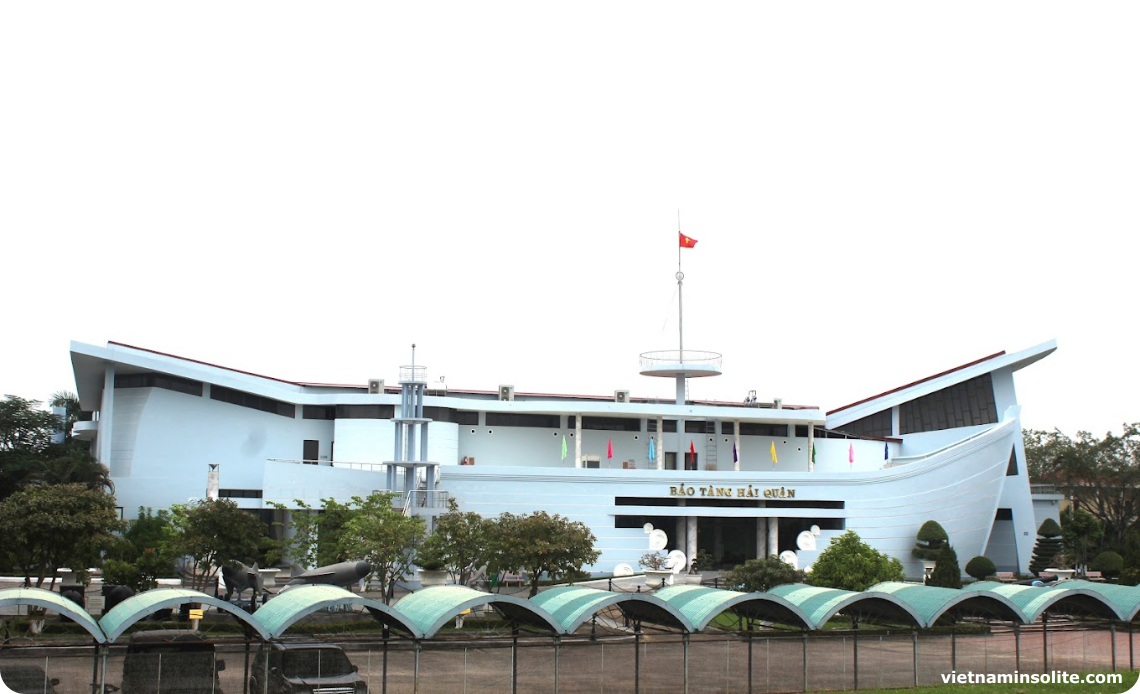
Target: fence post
x,y
1131,660
416,667
245,675
953,648
1112,635
805,638
855,650
749,635
557,643
1017,645
1045,642
914,647
515,660
384,666
637,657
685,658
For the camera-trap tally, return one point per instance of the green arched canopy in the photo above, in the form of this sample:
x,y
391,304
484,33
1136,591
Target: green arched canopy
x,y
932,603
293,604
821,604
428,609
38,597
1062,597
702,605
572,606
124,615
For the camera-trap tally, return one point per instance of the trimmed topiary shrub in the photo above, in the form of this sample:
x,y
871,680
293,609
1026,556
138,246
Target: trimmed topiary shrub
x,y
1048,546
947,573
931,539
979,567
1108,563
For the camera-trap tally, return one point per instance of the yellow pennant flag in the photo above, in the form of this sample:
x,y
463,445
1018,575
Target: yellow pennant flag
x,y
774,461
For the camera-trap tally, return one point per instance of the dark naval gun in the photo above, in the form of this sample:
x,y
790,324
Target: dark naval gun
x,y
343,574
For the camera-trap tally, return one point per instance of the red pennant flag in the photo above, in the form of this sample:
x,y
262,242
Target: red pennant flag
x,y
692,447
610,449
686,241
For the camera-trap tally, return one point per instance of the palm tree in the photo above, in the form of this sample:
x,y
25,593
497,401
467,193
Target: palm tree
x,y
74,466
70,403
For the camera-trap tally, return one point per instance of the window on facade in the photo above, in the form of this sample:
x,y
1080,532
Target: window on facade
x,y
1011,469
967,404
876,425
607,423
239,493
164,381
763,429
318,412
365,411
670,426
513,419
255,402
466,418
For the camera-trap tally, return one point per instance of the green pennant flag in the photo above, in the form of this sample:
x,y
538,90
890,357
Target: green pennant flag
x,y
813,453
564,447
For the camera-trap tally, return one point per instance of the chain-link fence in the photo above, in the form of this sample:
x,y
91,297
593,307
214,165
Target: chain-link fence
x,y
714,663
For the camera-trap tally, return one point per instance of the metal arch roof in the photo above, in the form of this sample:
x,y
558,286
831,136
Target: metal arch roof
x,y
39,597
428,609
291,605
932,602
571,606
1126,599
821,604
1034,601
122,616
702,605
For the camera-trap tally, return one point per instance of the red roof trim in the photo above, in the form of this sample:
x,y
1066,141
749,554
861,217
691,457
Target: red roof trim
x,y
915,383
203,363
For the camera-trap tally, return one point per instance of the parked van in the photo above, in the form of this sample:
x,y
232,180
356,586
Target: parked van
x,y
301,668
171,661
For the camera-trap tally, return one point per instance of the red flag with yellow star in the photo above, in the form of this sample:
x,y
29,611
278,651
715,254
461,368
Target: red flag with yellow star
x,y
687,241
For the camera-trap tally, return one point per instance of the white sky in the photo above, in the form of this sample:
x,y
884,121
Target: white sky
x,y
880,191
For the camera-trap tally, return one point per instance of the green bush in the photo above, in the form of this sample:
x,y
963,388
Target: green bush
x,y
1108,563
762,574
947,573
931,538
1048,547
851,564
979,567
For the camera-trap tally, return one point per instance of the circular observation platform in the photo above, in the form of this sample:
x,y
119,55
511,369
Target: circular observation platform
x,y
413,374
693,363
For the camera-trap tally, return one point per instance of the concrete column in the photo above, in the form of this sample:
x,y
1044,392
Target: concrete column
x,y
691,541
811,447
660,447
680,541
739,453
761,538
107,418
578,440
773,535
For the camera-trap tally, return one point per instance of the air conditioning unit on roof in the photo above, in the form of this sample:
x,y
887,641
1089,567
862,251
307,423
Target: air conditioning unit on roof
x,y
507,393
621,396
375,386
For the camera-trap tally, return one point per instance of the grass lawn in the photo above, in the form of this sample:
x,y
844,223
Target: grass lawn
x,y
1081,688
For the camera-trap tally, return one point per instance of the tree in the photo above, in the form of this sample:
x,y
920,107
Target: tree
x,y
23,426
382,536
46,527
542,543
931,539
317,533
1100,476
213,533
848,563
1081,534
73,412
460,541
1048,546
145,552
761,574
70,465
979,567
947,573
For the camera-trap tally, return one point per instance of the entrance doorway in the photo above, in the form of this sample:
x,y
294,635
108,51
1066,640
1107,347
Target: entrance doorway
x,y
730,541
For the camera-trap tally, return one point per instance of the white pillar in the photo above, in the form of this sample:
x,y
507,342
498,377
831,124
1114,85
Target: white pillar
x,y
811,448
578,440
691,541
761,538
660,443
739,453
773,535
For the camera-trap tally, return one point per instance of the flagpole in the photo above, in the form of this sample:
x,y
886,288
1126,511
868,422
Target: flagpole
x,y
680,302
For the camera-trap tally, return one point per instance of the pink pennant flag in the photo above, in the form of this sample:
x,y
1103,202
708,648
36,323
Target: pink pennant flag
x,y
851,453
610,449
